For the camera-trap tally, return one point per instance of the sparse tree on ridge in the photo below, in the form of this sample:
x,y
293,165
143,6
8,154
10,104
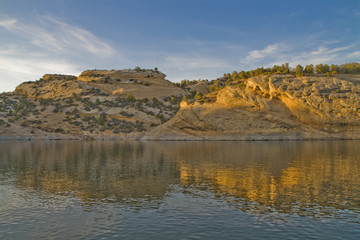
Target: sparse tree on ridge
x,y
285,68
334,68
326,68
319,68
299,70
347,68
322,68
242,75
234,75
309,69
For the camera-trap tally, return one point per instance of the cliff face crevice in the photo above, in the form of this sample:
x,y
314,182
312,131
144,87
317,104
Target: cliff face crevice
x,y
270,108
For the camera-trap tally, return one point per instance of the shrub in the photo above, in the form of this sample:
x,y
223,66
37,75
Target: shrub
x,y
198,95
161,117
155,101
126,114
102,119
59,130
130,98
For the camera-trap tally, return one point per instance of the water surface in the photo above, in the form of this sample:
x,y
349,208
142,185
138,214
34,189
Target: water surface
x,y
179,190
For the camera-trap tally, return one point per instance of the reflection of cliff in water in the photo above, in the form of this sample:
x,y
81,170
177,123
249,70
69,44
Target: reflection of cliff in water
x,y
281,176
302,177
93,171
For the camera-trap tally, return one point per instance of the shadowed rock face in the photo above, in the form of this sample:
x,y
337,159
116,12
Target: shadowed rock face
x,y
270,108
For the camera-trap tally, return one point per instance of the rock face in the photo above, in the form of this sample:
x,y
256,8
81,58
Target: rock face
x,y
276,107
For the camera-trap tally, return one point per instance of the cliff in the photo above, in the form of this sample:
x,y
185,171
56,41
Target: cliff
x,y
275,107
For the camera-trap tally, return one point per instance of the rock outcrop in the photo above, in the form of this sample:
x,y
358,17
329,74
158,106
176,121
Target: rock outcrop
x,y
276,107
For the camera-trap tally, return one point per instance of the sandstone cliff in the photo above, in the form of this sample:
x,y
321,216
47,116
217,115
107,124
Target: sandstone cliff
x,y
276,107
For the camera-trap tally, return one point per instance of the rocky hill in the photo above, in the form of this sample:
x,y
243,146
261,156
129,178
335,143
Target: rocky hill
x,y
142,104
95,105
275,107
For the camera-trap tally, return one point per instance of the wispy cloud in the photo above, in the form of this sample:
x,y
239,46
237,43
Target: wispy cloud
x,y
47,45
8,23
15,70
54,35
279,53
354,55
17,66
33,65
265,56
321,55
263,53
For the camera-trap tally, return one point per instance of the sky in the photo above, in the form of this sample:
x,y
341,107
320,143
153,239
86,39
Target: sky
x,y
185,39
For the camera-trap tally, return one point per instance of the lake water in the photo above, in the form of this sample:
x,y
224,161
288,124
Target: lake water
x,y
179,190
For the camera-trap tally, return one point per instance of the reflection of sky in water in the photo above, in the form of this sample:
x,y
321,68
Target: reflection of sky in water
x,y
97,186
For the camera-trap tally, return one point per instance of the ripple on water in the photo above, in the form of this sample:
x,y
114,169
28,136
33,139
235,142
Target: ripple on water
x,y
112,190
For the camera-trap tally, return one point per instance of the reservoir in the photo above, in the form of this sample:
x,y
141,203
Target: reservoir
x,y
179,190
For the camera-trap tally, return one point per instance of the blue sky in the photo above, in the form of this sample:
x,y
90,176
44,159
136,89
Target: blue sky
x,y
184,39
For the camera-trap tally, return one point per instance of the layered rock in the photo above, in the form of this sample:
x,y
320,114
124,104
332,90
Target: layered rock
x,y
276,107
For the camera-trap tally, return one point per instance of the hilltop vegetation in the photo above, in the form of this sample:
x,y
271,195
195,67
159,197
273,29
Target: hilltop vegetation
x,y
308,70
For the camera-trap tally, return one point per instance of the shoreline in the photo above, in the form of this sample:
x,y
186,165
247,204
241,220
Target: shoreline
x,y
253,138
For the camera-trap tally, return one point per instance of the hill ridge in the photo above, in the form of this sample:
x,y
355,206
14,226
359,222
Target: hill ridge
x,y
142,104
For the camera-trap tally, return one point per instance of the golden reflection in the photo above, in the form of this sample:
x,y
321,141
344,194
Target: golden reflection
x,y
321,173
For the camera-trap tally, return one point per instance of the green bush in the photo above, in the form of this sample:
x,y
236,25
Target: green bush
x,y
102,119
